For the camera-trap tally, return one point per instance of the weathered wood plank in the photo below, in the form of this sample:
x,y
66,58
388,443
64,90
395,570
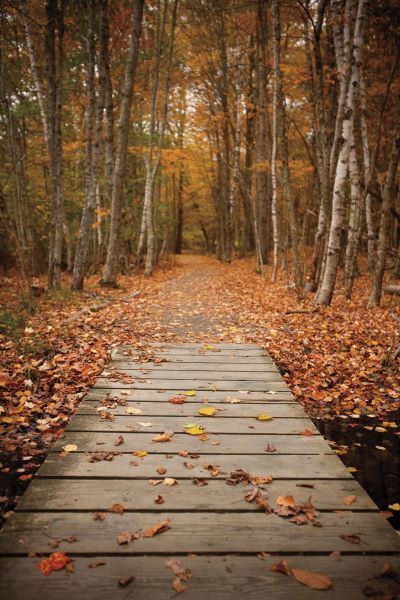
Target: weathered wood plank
x,y
198,532
190,409
233,385
212,358
223,443
225,578
127,466
242,425
199,374
210,395
194,365
95,495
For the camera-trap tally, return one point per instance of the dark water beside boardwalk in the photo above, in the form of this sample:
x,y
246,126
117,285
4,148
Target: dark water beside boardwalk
x,y
378,468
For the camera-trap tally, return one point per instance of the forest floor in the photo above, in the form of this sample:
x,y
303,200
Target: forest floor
x,y
334,359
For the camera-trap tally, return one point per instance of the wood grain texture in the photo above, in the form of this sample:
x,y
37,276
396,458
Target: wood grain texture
x,y
223,443
210,395
190,409
95,495
201,532
233,385
213,577
279,466
215,424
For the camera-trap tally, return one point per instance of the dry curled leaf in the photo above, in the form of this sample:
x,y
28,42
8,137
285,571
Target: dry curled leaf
x,y
126,581
117,508
124,538
156,529
119,440
348,500
163,437
314,581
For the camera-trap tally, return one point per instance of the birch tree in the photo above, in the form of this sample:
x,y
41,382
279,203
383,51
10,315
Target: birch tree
x,y
325,292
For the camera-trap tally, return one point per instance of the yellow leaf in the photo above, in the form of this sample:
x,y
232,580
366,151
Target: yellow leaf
x,y
380,429
70,448
352,469
264,417
395,506
190,393
195,429
7,420
207,412
140,453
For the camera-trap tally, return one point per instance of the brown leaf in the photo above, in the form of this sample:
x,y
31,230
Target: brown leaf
x,y
156,529
125,537
281,567
119,440
98,456
161,470
286,501
99,563
126,581
99,516
270,448
314,581
348,500
116,508
163,437
159,499
199,481
307,433
353,538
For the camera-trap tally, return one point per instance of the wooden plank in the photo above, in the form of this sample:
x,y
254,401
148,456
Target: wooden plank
x,y
156,395
238,426
227,443
212,358
95,495
234,385
198,532
126,466
198,374
194,365
190,409
225,578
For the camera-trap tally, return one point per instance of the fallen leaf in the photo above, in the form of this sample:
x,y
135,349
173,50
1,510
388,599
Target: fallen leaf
x,y
140,453
99,516
117,508
200,482
133,411
145,424
286,501
395,506
119,440
169,481
159,499
194,429
190,393
270,448
264,418
281,567
5,379
348,500
306,432
207,412
314,581
161,470
70,448
126,581
163,437
353,538
351,469
95,565
232,400
177,400
123,538
156,529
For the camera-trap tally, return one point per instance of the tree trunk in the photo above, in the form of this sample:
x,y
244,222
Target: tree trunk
x,y
54,60
388,192
91,153
335,234
261,156
281,120
111,267
353,236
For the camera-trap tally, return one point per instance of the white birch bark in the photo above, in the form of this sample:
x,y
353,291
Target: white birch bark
x,y
338,202
353,235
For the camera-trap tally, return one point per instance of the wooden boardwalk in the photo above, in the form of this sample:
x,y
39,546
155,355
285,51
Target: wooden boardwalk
x,y
229,543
